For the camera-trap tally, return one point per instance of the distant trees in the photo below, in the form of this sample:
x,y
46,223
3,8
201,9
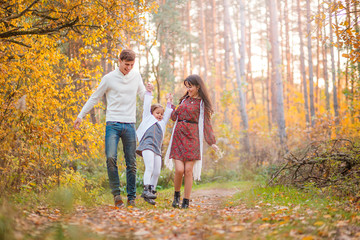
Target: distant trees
x,y
294,76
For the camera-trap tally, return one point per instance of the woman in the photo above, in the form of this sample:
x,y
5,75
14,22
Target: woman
x,y
186,144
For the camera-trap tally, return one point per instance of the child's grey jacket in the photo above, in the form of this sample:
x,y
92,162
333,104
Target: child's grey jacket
x,y
148,119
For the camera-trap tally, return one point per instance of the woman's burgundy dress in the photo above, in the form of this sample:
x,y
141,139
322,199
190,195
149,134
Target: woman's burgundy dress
x,y
185,145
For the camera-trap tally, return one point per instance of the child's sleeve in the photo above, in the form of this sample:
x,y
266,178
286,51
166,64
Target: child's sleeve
x,y
168,112
147,104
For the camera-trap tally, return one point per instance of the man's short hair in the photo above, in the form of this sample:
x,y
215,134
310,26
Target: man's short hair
x,y
127,55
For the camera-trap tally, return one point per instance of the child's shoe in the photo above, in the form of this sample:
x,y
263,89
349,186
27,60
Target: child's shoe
x,y
147,193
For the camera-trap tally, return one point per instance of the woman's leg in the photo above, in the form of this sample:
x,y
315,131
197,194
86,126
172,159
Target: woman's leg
x,y
148,157
156,171
188,178
179,172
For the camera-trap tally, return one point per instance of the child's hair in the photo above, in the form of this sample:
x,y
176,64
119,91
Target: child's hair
x,y
155,106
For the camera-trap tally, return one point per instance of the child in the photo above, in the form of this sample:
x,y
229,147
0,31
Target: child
x,y
150,135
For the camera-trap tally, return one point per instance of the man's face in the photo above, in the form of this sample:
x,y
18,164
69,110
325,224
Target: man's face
x,y
125,66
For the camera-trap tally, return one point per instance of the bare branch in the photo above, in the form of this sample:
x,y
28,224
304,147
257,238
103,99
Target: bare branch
x,y
39,31
20,14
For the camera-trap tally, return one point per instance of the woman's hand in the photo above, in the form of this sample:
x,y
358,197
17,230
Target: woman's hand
x,y
215,147
169,98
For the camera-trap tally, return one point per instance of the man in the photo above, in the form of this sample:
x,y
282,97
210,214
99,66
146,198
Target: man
x,y
120,87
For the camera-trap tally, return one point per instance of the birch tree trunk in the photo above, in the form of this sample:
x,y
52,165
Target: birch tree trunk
x,y
338,63
317,90
289,78
333,70
242,48
215,64
302,65
203,39
242,106
310,63
269,76
276,61
249,71
326,77
188,7
226,42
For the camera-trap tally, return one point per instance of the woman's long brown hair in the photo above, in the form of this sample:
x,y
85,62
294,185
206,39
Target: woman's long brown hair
x,y
195,80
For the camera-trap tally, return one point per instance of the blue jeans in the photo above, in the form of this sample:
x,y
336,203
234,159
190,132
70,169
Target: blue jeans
x,y
125,131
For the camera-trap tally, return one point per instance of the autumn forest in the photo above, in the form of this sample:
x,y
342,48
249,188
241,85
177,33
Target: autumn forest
x,y
283,78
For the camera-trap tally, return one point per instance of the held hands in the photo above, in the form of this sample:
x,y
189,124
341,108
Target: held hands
x,y
149,87
169,98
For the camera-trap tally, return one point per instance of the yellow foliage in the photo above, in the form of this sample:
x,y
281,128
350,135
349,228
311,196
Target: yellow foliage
x,y
45,80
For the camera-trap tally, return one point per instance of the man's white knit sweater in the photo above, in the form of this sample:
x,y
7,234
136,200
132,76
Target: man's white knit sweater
x,y
120,91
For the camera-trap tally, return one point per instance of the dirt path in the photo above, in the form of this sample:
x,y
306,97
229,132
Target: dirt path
x,y
203,220
209,217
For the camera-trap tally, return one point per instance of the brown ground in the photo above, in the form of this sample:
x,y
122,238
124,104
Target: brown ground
x,y
209,217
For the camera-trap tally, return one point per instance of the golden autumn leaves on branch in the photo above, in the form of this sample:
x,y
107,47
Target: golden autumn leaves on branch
x,y
51,54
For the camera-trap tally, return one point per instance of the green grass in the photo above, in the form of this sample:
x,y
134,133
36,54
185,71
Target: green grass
x,y
308,212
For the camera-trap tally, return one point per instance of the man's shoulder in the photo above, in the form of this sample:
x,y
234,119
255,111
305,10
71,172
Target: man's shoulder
x,y
112,73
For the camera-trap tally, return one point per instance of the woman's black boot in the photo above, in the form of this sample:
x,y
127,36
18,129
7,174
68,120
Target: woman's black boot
x,y
176,202
185,203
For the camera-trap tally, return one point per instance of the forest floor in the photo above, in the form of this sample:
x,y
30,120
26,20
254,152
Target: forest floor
x,y
214,213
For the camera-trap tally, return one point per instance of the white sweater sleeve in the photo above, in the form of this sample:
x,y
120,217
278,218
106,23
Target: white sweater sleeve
x,y
141,88
94,99
147,105
167,114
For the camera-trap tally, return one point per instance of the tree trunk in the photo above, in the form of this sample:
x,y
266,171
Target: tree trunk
x,y
244,117
338,63
188,7
276,62
226,42
215,63
289,77
203,40
249,71
326,78
310,63
269,76
333,70
317,90
242,48
302,65
289,80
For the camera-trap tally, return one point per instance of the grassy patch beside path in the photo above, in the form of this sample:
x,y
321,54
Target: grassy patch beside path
x,y
292,213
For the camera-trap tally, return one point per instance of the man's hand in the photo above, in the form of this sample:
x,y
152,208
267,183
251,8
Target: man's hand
x,y
77,123
149,87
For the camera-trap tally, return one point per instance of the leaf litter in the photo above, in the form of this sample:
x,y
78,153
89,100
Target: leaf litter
x,y
210,216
